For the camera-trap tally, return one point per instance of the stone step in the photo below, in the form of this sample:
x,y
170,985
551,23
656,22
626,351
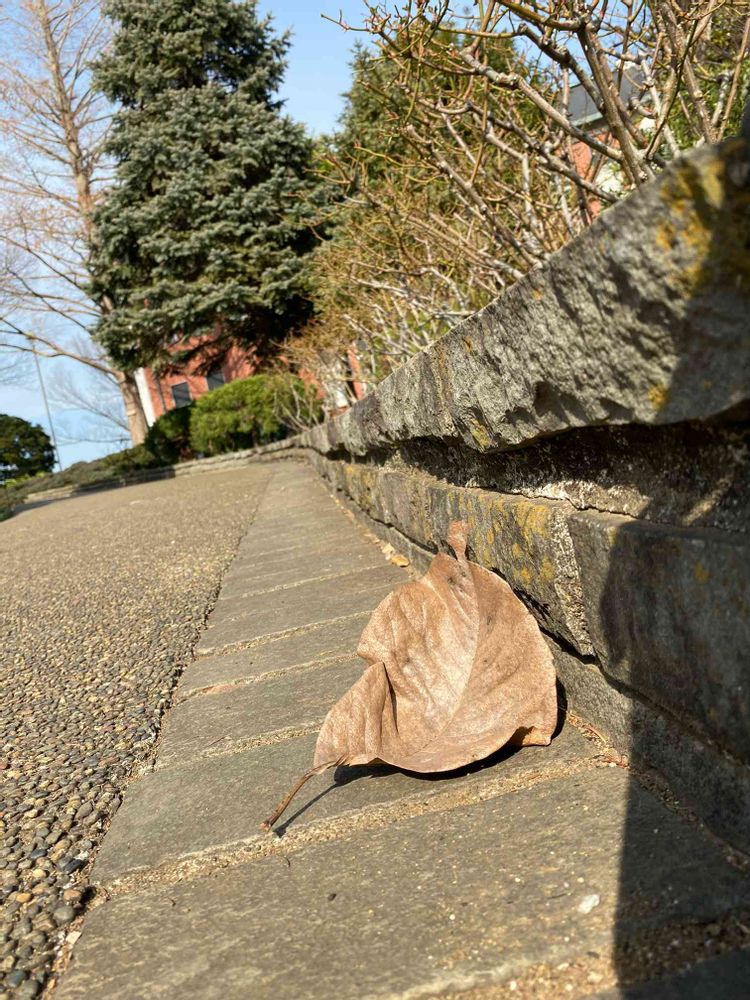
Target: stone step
x,y
307,604
236,716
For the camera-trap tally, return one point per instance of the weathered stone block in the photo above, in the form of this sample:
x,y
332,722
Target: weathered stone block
x,y
431,905
668,610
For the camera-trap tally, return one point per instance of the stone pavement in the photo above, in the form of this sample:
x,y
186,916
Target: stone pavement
x,y
102,600
544,872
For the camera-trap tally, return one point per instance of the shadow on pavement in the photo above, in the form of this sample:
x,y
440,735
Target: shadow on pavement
x,y
667,634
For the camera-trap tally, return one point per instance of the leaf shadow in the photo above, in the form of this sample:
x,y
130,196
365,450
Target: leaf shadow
x,y
347,774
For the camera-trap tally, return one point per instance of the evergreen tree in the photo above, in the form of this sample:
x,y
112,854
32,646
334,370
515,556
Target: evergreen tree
x,y
25,448
205,229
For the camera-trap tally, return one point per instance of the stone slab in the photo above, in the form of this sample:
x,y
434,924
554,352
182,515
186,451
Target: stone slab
x,y
295,607
669,614
726,977
214,803
280,557
301,568
324,515
322,642
440,902
251,711
271,540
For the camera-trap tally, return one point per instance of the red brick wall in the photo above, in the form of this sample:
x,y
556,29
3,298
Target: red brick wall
x,y
236,363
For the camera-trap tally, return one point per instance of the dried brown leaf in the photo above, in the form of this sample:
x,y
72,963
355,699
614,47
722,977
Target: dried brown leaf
x,y
458,668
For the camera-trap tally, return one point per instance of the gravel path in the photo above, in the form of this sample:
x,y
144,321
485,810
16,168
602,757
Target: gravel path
x,y
102,599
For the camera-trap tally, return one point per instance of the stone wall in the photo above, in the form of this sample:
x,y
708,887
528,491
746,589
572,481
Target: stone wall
x,y
591,428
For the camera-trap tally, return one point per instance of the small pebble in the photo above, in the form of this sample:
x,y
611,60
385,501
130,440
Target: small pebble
x,y
588,903
63,914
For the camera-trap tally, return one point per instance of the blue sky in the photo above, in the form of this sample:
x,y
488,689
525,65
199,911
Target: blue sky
x,y
318,72
317,76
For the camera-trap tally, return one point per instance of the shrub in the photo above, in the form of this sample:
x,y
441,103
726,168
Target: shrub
x,y
9,497
134,459
245,413
168,439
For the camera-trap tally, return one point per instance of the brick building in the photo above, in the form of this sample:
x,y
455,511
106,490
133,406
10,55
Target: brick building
x,y
179,387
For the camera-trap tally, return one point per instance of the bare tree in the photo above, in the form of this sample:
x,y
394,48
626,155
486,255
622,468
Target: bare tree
x,y
14,368
52,171
505,128
97,403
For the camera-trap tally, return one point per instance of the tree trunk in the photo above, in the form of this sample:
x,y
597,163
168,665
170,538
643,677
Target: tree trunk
x,y
133,407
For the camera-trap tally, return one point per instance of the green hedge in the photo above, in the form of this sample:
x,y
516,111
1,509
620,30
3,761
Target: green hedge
x,y
168,439
249,412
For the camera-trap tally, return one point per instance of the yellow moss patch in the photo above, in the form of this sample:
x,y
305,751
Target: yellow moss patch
x,y
700,573
479,434
532,520
547,570
708,216
658,397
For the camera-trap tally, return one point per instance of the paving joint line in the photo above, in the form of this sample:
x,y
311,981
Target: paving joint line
x,y
237,647
297,583
268,739
377,816
268,675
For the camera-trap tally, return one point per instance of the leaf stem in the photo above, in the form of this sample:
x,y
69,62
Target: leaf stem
x,y
267,824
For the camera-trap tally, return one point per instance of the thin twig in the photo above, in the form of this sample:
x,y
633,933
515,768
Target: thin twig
x,y
267,824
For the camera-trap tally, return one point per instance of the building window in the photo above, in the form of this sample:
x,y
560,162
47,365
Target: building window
x,y
215,379
180,394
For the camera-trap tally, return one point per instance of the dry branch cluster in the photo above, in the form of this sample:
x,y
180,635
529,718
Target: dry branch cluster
x,y
480,142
